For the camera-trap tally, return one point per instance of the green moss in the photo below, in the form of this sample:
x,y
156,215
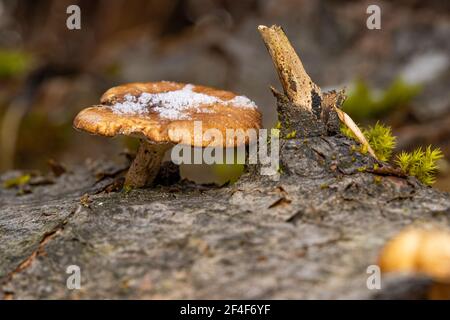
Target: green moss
x,y
362,103
381,140
291,135
363,149
127,189
13,63
420,163
399,93
347,132
17,182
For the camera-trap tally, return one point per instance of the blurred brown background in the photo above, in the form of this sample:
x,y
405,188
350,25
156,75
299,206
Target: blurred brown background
x,y
399,74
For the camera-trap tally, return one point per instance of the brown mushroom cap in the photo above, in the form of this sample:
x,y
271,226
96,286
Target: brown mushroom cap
x,y
165,112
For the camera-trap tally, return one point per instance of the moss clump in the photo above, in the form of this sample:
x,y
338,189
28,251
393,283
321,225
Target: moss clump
x,y
381,140
420,163
398,94
379,137
17,182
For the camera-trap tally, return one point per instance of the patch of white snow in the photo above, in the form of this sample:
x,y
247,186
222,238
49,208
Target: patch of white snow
x,y
174,105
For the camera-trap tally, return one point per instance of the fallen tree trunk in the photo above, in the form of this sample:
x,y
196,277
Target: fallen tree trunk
x,y
311,234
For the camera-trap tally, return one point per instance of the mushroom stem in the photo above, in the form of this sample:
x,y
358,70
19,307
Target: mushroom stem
x,y
296,83
145,166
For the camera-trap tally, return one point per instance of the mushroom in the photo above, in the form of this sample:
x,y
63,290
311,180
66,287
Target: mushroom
x,y
418,250
162,114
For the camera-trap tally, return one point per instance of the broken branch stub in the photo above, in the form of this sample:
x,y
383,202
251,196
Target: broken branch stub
x,y
297,84
303,110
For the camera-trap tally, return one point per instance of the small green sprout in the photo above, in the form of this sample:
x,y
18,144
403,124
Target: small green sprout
x,y
420,163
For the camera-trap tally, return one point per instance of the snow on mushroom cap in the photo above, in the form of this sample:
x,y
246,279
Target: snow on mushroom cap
x,y
175,105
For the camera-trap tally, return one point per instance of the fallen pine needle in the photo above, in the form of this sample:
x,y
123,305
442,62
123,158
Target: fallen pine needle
x,y
345,119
